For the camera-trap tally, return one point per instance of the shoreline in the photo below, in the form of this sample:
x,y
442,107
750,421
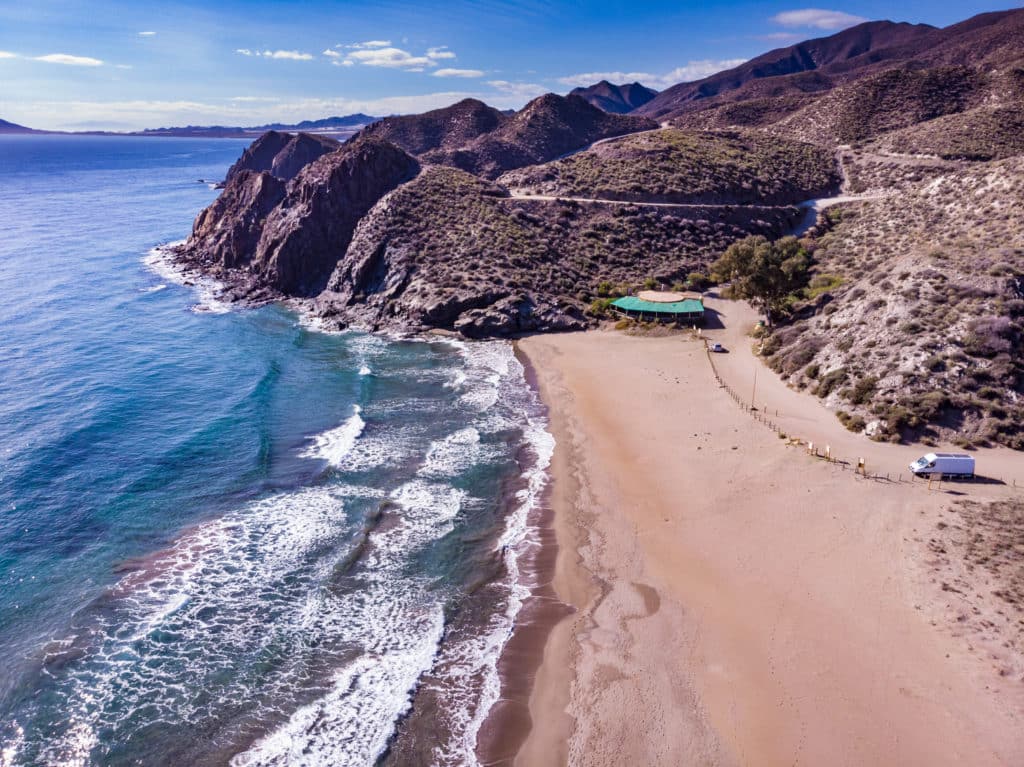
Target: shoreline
x,y
509,722
733,596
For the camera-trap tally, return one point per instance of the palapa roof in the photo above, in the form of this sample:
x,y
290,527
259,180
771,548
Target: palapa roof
x,y
634,304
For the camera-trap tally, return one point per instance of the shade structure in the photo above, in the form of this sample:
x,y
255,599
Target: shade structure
x,y
688,310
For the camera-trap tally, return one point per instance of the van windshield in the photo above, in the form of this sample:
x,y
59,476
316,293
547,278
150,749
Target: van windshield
x,y
921,462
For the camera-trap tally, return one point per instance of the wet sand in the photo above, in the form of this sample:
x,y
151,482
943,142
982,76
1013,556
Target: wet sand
x,y
738,601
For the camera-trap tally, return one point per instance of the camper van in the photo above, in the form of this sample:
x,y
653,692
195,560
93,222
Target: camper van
x,y
946,464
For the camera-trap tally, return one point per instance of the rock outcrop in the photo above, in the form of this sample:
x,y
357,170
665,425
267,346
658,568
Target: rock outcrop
x,y
287,239
443,129
618,99
546,128
226,234
282,154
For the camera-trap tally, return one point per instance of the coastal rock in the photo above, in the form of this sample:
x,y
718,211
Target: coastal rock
x,y
282,154
225,234
307,234
303,149
259,155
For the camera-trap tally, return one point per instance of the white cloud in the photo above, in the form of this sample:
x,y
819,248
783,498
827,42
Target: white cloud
x,y
518,91
345,63
817,18
68,59
783,36
458,73
692,70
440,52
146,34
370,44
8,55
391,58
253,99
331,53
292,55
123,66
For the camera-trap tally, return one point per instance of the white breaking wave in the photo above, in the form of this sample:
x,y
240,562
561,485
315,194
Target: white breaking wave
x,y
352,724
161,262
332,446
364,370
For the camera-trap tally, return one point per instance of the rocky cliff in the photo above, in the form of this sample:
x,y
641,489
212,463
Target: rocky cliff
x,y
282,154
285,240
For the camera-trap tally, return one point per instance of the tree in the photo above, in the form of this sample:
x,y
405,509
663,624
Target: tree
x,y
763,272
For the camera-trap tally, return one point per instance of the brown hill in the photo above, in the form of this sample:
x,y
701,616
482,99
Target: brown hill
x,y
547,127
914,324
617,99
282,154
446,250
290,242
886,101
675,166
447,128
864,44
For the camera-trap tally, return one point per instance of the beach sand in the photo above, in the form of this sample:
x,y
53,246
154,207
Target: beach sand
x,y
737,601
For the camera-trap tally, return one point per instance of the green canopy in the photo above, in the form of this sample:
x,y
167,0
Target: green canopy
x,y
634,304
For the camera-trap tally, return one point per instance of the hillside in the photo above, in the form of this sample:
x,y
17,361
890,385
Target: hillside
x,y
862,45
618,99
282,154
9,127
886,101
724,167
446,250
916,325
447,128
546,128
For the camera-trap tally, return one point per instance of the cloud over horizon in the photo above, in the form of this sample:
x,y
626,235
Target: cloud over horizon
x,y
817,18
692,70
289,55
449,72
69,60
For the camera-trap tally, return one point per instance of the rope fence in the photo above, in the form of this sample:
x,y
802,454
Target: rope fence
x,y
859,467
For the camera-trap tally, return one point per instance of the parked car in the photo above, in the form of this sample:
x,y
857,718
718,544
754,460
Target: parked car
x,y
946,464
717,348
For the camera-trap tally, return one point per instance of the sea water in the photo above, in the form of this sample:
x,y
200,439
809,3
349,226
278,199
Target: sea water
x,y
226,537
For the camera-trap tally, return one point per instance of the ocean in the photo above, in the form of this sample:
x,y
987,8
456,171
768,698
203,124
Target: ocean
x,y
225,536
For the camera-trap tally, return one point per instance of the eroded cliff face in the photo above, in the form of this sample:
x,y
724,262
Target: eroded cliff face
x,y
281,154
269,237
225,235
306,235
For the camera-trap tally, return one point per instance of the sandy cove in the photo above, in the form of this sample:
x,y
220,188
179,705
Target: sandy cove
x,y
738,601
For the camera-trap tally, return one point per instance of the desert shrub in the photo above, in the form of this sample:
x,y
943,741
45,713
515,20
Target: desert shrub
x,y
989,336
863,389
852,422
600,308
811,371
830,381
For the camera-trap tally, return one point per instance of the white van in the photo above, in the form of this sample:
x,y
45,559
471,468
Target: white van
x,y
946,464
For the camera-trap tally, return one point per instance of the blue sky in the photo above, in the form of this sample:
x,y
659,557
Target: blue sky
x,y
126,65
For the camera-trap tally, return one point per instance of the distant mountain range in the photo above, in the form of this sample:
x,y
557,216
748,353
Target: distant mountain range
x,y
618,99
337,127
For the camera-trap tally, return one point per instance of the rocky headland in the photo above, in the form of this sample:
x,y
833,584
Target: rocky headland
x,y
487,223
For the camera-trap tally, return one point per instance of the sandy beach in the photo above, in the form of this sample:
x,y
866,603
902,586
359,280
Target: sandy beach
x,y
738,601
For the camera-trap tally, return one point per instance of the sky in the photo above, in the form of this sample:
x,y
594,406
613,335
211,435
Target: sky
x,y
118,65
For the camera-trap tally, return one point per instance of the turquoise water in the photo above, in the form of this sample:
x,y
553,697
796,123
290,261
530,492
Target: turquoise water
x,y
225,536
